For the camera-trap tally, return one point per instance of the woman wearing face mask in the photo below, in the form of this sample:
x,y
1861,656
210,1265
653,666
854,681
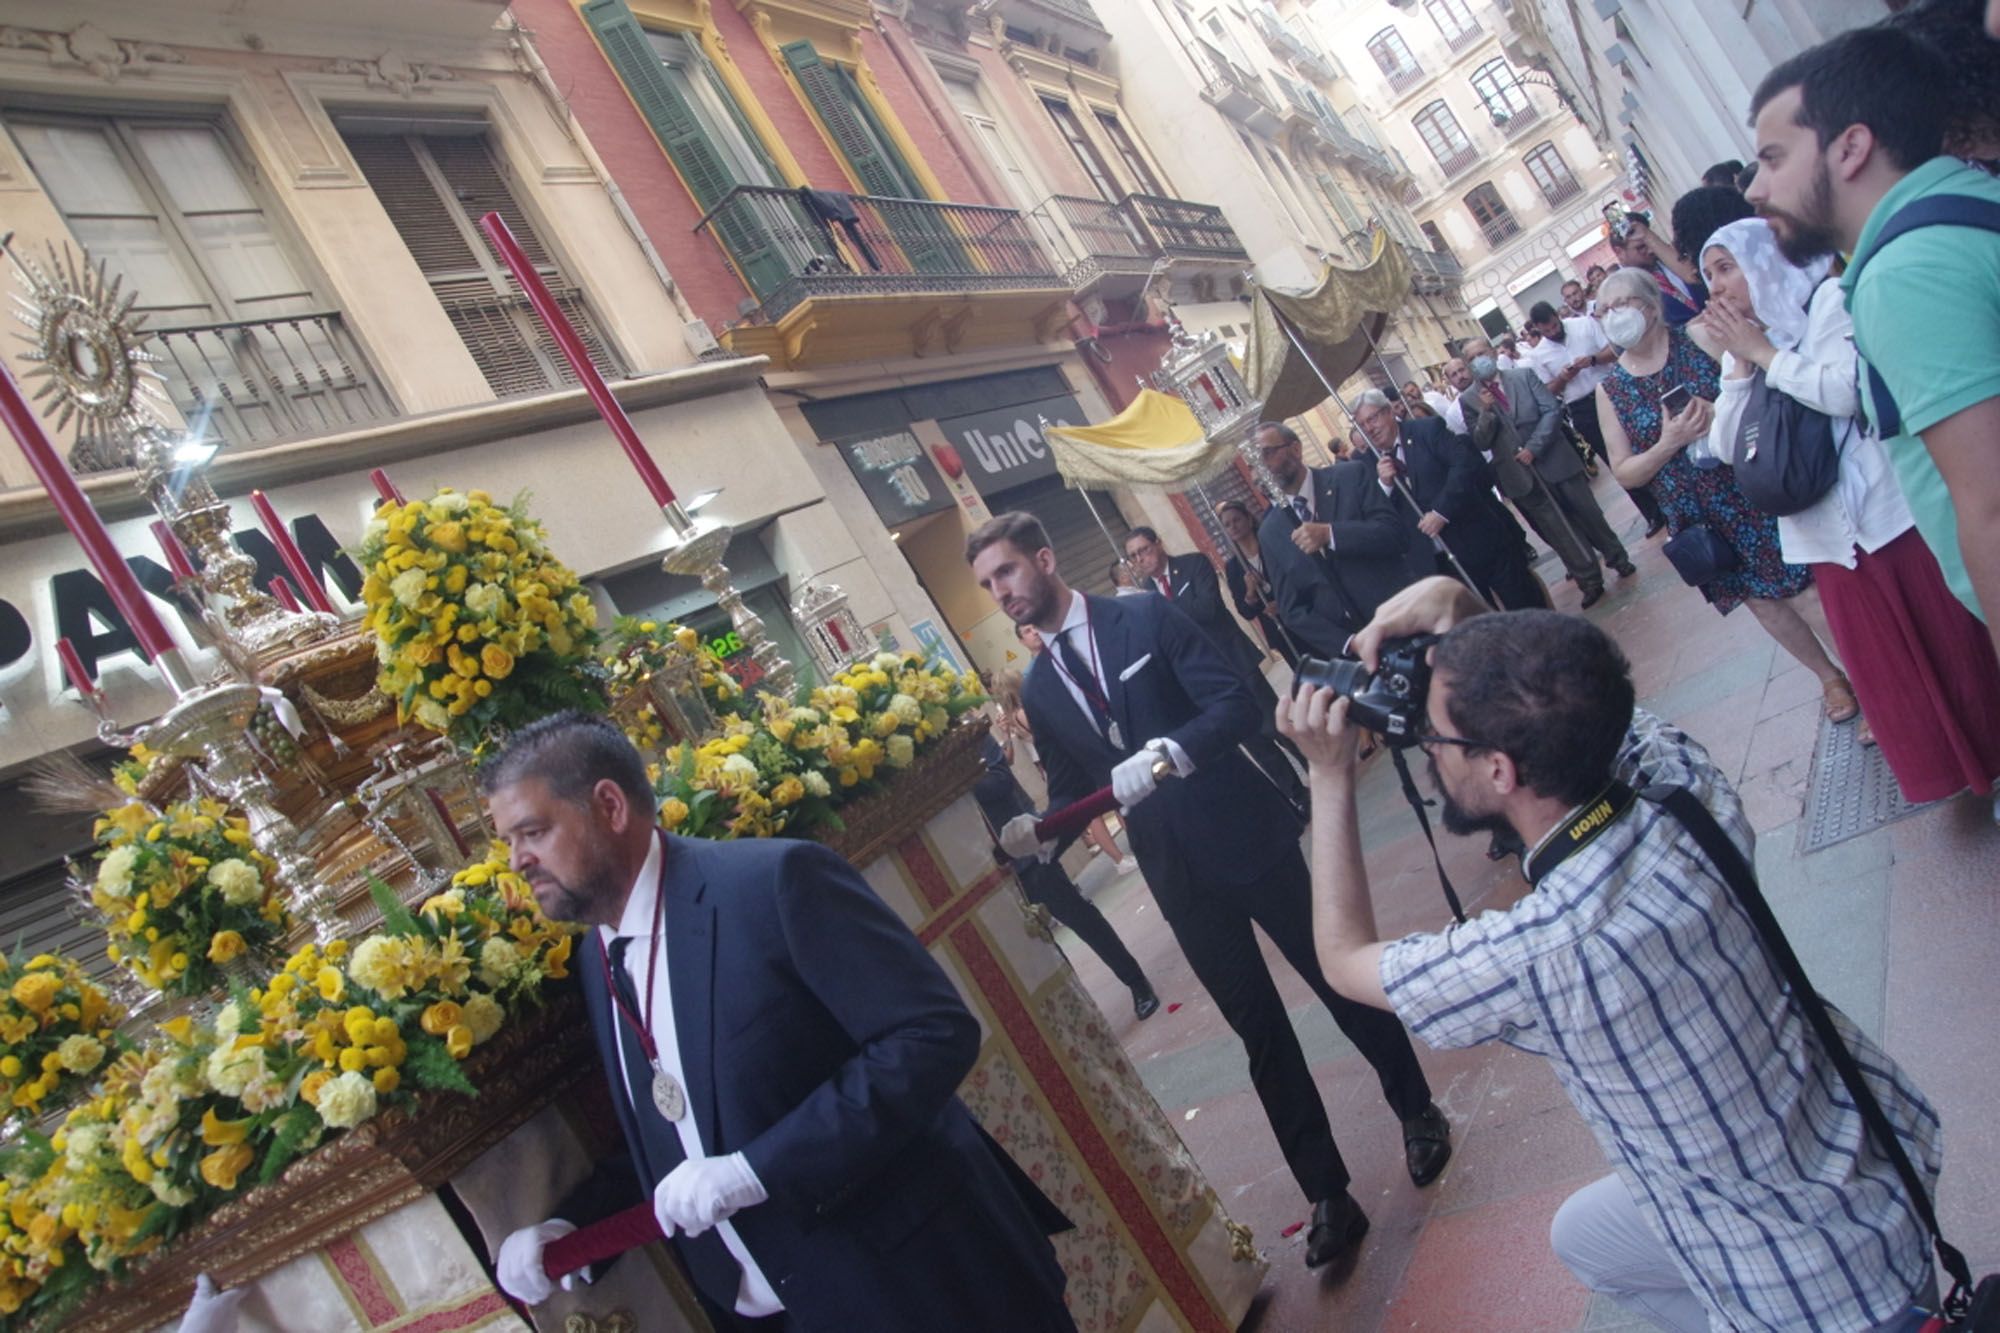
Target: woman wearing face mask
x,y
1647,446
1923,665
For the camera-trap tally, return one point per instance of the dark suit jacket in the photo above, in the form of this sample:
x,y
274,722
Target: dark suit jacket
x,y
1447,475
1263,614
1224,823
821,1041
1532,420
1323,605
1198,593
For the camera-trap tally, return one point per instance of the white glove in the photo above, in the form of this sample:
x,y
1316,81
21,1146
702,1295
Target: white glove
x,y
520,1263
211,1311
1017,839
699,1193
1133,781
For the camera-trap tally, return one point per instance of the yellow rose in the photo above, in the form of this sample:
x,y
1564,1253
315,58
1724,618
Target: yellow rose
x,y
221,1167
36,992
673,812
687,638
441,1018
459,1041
448,536
497,661
225,945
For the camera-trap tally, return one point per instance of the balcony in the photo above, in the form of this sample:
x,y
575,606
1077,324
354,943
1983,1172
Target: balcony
x,y
1358,152
1062,27
1236,92
864,275
1562,191
1432,272
1402,78
1112,250
1518,120
1181,230
1500,230
249,382
1461,161
1465,39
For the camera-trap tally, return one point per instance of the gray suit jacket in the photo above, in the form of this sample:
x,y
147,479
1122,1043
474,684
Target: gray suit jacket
x,y
1532,419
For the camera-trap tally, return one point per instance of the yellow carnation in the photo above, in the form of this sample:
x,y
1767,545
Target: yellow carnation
x,y
80,1053
483,1015
225,945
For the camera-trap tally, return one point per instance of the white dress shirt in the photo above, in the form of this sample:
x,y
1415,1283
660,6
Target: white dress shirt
x,y
1076,624
1865,508
1440,403
1549,358
755,1296
1304,491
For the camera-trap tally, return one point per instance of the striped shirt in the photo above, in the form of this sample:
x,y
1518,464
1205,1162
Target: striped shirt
x,y
1633,970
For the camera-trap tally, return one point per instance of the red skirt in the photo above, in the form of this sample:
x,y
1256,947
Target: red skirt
x,y
1922,666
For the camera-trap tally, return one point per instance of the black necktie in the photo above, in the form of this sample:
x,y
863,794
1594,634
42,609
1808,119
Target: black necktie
x,y
1303,508
1085,678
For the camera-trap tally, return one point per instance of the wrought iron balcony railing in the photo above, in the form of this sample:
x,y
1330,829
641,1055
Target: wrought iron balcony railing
x,y
1465,39
1562,191
1402,78
1521,119
1460,162
789,247
1097,239
1185,230
264,380
1432,272
1498,231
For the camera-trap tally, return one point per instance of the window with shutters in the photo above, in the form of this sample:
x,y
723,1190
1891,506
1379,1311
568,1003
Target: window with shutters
x,y
1094,166
852,123
1444,137
1490,211
435,187
1393,58
1558,183
715,112
1453,21
1136,166
250,347
1497,87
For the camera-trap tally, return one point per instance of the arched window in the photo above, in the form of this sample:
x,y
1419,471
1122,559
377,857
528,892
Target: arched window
x,y
1443,136
1490,211
1454,22
1393,58
1497,87
1558,183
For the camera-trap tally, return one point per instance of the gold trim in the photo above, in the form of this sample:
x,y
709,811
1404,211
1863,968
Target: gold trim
x,y
698,17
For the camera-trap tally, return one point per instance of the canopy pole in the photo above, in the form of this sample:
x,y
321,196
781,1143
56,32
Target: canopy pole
x,y
1299,345
1117,551
1248,573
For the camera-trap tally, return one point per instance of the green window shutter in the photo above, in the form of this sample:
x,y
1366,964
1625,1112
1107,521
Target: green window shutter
x,y
823,88
680,132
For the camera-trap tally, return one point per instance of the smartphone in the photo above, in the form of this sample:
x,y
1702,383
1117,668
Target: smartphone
x,y
1675,400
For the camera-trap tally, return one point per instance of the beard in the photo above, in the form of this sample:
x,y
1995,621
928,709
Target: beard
x,y
1459,820
1804,237
578,900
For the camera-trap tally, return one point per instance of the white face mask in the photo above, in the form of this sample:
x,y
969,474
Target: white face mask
x,y
1626,325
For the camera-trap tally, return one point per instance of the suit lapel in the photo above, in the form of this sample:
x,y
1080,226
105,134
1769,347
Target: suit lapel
x,y
691,981
1112,634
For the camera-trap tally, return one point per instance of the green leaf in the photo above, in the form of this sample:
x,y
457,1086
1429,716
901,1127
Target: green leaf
x,y
290,1134
429,1065
396,918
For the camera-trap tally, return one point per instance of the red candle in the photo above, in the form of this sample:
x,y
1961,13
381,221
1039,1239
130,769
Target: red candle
x,y
559,328
72,665
170,546
288,551
385,488
281,589
81,519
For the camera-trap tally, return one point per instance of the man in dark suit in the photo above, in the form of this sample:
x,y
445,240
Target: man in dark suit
x,y
1130,686
1189,582
1334,550
1455,507
1516,423
788,1094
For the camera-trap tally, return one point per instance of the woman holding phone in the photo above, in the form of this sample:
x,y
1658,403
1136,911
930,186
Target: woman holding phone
x,y
1656,406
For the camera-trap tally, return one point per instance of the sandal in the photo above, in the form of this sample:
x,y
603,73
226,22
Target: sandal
x,y
1841,705
1866,735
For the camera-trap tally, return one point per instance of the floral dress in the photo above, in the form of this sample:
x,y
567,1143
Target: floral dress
x,y
1704,497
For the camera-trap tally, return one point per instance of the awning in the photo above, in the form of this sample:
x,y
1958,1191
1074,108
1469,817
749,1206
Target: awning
x,y
1156,441
1336,319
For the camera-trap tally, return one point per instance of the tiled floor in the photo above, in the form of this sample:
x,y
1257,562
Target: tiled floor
x,y
1900,926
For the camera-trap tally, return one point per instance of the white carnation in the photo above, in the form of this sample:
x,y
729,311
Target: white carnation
x,y
408,587
237,881
485,600
347,1101
114,874
450,502
737,766
816,782
231,1071
499,961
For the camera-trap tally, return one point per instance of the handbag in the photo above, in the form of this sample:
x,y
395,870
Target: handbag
x,y
1786,454
1966,1308
1700,555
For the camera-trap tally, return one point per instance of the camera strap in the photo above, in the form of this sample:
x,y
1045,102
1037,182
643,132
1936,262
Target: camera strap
x,y
1417,803
1598,813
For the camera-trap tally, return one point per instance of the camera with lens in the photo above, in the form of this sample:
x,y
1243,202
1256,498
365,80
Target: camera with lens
x,y
1389,701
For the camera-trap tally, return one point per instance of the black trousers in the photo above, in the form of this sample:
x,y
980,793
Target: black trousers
x,y
1583,415
1214,925
1498,569
1050,885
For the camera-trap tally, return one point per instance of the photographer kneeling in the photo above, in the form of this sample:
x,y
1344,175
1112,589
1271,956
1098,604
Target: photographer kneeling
x,y
1747,1194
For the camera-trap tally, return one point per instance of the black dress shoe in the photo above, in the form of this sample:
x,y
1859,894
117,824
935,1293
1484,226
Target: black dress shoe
x,y
1426,1144
1592,596
1626,570
1144,1003
1337,1225
1657,526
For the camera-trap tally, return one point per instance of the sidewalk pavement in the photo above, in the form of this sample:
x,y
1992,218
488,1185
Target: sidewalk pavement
x,y
1899,926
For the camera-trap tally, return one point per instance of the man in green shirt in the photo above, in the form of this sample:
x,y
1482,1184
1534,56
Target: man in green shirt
x,y
1849,133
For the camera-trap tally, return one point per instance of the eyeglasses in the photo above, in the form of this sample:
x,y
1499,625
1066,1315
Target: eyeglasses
x,y
1427,740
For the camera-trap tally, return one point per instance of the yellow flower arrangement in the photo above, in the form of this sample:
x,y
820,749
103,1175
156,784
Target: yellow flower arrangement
x,y
479,628
183,892
57,1028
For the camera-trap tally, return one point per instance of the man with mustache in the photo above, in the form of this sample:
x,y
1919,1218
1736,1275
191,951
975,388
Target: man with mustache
x,y
1849,137
1747,1193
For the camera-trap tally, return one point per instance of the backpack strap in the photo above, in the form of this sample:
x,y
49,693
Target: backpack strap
x,y
1937,210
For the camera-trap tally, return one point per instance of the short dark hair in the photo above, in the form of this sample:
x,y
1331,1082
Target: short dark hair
x,y
1550,691
1541,312
1956,31
1723,173
572,752
1881,77
1702,212
1023,529
1284,432
1237,505
1142,531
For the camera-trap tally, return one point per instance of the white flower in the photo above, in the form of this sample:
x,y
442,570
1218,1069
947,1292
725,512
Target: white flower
x,y
450,502
499,961
485,600
231,1071
816,782
80,1053
265,1094
385,652
168,1193
804,717
907,710
431,714
375,530
900,750
483,1015
886,662
736,766
408,587
83,1143
114,874
237,881
347,1101
229,1022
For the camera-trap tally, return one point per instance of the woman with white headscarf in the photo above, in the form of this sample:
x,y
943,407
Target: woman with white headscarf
x,y
1921,665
